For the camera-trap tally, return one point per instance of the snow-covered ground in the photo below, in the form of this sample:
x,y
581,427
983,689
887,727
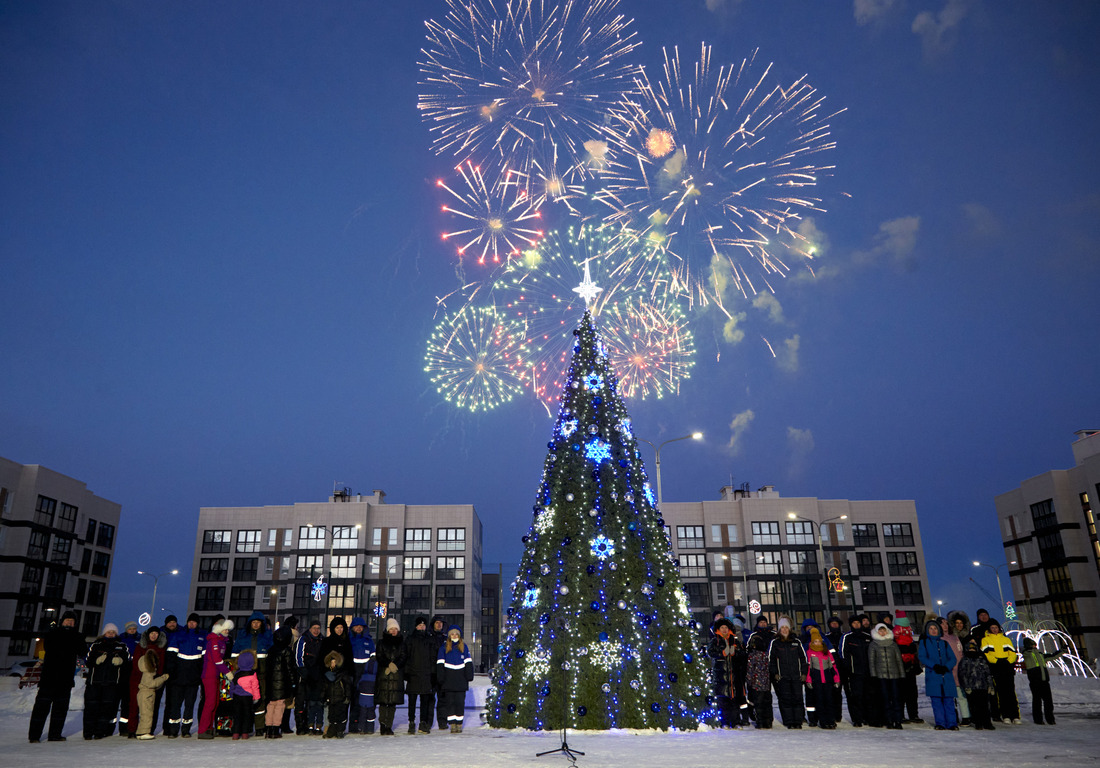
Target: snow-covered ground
x,y
1074,741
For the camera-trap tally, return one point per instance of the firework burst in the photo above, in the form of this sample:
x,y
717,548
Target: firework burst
x,y
718,166
525,83
471,358
650,347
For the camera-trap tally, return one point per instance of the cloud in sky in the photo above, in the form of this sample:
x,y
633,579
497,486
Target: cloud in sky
x,y
800,443
740,423
787,355
723,5
873,11
982,223
730,331
766,302
939,31
896,240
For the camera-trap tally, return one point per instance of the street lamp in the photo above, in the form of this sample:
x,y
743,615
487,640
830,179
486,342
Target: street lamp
x,y
997,573
820,551
331,534
657,450
744,577
156,578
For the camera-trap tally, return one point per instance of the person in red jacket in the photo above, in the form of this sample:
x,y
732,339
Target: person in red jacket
x,y
215,665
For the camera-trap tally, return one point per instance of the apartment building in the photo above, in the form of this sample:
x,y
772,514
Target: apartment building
x,y
57,542
353,555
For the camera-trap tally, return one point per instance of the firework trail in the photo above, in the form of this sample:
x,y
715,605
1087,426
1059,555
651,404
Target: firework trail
x,y
471,358
718,166
526,84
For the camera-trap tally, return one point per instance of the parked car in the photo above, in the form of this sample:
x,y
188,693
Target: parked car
x,y
18,668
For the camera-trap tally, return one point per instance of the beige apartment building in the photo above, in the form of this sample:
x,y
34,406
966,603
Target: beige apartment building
x,y
57,545
1052,554
801,557
353,555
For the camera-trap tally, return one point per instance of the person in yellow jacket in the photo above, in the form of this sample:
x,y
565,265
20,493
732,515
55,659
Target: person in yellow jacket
x,y
1001,655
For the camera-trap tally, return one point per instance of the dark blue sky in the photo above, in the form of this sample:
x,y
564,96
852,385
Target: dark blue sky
x,y
219,238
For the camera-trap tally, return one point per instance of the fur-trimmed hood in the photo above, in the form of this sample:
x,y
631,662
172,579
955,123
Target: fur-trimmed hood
x,y
951,616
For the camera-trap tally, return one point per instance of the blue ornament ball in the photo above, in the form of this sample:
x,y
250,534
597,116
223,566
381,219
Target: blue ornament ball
x,y
520,653
595,605
511,709
544,619
688,658
597,400
582,710
566,541
591,569
631,525
673,677
655,707
604,637
660,582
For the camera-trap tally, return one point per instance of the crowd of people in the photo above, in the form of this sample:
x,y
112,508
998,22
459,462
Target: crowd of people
x,y
252,679
969,672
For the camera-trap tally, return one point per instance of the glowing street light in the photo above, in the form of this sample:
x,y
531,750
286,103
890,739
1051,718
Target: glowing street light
x,y
156,578
657,449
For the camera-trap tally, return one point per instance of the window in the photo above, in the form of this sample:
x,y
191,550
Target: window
x,y
272,537
66,521
345,537
38,546
376,537
343,567
44,511
19,646
213,568
731,531
216,542
865,535
803,562
244,568
90,625
97,593
902,563
417,567
55,585
450,596
1058,580
826,536
61,551
210,598
374,567
693,566
391,539
716,534
869,563
907,592
106,538
451,539
897,534
450,568
1043,514
242,598
698,595
416,597
769,562
341,598
689,537
269,567
309,566
81,591
874,592
24,617
311,537
89,535
1050,546
771,592
288,538
800,532
418,539
765,533
86,561
101,564
248,541
32,580
804,592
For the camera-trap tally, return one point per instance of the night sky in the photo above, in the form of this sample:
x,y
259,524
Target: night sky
x,y
221,257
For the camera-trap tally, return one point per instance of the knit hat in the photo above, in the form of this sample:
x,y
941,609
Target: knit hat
x,y
855,620
109,627
130,625
784,622
314,623
815,640
290,621
392,624
170,618
193,617
901,619
246,661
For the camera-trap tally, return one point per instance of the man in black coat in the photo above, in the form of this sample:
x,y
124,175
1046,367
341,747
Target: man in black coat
x,y
854,649
439,636
63,646
420,661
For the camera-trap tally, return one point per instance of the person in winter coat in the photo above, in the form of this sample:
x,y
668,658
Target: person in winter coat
x,y
1038,679
787,667
804,638
853,658
1002,656
729,672
364,695
130,637
63,646
338,693
884,660
362,651
309,712
184,666
290,621
439,636
977,680
822,679
757,678
104,664
339,640
834,634
956,631
939,680
151,677
215,665
389,689
255,636
420,663
455,670
903,636
281,683
155,642
246,692
981,625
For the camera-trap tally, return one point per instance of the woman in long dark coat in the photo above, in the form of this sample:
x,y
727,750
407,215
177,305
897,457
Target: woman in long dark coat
x,y
389,690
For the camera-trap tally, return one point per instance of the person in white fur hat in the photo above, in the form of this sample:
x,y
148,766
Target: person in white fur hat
x,y
214,665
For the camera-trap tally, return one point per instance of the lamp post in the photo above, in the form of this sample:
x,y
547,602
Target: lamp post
x,y
997,573
156,579
744,577
820,552
657,450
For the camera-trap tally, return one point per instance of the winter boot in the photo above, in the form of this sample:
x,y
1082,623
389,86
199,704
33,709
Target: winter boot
x,y
370,727
412,729
185,730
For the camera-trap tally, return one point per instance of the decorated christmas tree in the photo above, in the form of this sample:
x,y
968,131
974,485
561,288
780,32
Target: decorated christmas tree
x,y
598,633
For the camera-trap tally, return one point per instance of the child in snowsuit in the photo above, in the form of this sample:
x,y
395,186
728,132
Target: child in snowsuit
x,y
246,692
822,679
152,680
903,636
338,685
1038,679
729,672
455,671
939,683
977,681
884,660
1002,656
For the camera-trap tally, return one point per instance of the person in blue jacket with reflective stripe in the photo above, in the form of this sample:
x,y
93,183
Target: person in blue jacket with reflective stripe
x,y
362,651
